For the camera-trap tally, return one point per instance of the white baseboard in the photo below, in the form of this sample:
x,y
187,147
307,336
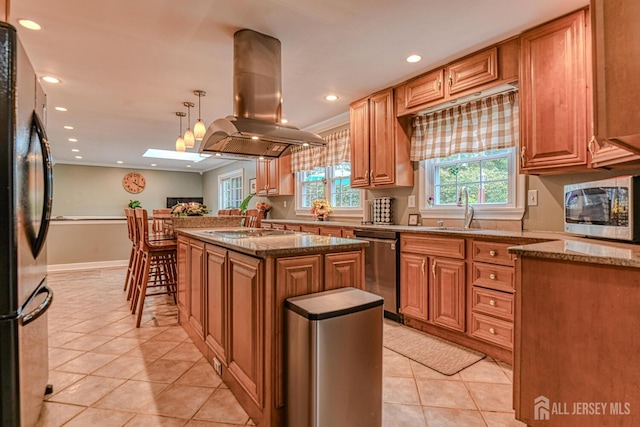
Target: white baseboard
x,y
87,265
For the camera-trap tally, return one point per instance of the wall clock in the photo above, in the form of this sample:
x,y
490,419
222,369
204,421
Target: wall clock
x,y
133,182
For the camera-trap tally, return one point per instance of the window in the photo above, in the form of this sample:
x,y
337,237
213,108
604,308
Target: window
x,y
230,189
489,176
332,183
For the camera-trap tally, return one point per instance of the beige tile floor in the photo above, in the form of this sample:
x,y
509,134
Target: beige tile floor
x,y
105,372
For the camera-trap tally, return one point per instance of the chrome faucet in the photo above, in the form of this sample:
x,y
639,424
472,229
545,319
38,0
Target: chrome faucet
x,y
468,210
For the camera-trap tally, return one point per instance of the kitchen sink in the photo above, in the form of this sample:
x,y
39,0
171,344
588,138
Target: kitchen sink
x,y
250,232
451,229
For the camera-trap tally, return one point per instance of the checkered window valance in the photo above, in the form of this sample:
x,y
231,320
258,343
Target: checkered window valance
x,y
335,152
485,124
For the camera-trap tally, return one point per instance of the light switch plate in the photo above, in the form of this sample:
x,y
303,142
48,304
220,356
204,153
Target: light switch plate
x,y
411,202
285,203
532,198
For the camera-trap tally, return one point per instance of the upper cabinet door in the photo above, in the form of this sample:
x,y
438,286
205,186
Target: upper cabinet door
x,y
427,88
359,135
382,153
553,95
472,71
616,40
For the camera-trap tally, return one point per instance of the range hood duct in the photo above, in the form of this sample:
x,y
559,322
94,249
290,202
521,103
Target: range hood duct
x,y
255,130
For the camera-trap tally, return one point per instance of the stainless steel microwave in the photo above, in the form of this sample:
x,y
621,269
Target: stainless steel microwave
x,y
609,208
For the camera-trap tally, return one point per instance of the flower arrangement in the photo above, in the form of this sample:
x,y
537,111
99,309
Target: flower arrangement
x,y
320,208
189,209
263,206
430,201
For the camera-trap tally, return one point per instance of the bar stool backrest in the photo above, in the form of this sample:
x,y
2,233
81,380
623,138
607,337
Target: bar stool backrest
x,y
142,228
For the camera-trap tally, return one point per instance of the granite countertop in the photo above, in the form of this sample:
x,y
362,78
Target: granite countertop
x,y
285,244
537,244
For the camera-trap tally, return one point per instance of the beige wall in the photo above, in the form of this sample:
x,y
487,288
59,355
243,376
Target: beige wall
x,y
77,242
210,181
98,191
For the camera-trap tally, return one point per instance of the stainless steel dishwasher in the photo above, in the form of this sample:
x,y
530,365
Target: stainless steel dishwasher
x,y
382,272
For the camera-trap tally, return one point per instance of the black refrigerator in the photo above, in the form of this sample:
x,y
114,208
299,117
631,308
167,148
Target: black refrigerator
x,y
25,208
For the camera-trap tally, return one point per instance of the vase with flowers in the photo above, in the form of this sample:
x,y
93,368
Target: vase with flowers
x,y
189,209
320,208
430,201
264,207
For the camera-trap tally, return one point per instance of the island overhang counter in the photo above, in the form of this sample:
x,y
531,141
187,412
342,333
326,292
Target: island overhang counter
x,y
232,284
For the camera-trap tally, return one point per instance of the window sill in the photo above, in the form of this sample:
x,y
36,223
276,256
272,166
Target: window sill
x,y
484,212
336,213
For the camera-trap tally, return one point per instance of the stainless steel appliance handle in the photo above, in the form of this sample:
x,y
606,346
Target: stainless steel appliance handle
x,y
25,319
47,166
373,239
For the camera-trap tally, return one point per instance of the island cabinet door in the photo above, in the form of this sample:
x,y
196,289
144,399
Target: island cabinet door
x,y
343,269
294,276
183,279
216,297
196,281
246,325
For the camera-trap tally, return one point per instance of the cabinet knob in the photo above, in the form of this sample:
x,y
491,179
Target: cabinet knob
x,y
492,303
492,276
492,253
492,331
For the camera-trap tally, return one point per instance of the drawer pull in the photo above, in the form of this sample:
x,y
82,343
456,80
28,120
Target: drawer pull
x,y
492,303
492,276
492,331
492,253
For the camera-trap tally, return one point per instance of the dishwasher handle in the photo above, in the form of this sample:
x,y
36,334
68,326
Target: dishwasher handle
x,y
392,242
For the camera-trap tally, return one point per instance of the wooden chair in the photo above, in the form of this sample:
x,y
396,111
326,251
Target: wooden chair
x,y
131,229
253,218
156,266
161,224
223,212
235,212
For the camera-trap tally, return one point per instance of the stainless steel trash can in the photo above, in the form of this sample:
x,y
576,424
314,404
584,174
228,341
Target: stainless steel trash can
x,y
334,359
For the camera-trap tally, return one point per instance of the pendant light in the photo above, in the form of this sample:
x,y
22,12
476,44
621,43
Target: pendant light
x,y
180,145
189,139
199,129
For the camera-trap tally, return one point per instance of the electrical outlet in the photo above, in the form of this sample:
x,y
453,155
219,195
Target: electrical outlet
x,y
411,201
217,366
285,203
532,198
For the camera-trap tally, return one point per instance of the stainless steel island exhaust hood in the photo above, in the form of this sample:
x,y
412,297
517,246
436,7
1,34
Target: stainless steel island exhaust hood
x,y
255,130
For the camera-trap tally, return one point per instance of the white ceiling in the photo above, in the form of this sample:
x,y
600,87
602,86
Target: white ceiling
x,y
127,65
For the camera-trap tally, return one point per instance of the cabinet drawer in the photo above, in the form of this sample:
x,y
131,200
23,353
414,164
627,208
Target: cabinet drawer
x,y
310,229
473,71
424,89
493,252
331,231
493,276
440,246
493,303
277,226
292,227
493,330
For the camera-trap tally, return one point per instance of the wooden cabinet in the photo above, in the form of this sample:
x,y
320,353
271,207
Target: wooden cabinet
x,y
217,298
447,293
331,231
554,113
379,144
433,287
312,229
348,233
343,269
616,69
494,66
492,287
196,289
183,278
274,177
605,155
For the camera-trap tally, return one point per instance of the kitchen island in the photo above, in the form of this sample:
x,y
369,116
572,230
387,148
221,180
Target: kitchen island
x,y
232,284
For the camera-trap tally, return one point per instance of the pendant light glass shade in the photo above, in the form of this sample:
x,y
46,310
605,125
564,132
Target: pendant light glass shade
x,y
199,129
180,144
189,139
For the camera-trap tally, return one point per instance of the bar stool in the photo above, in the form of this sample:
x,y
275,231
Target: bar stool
x,y
131,228
161,224
156,266
253,218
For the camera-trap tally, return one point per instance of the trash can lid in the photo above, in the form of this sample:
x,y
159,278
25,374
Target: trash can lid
x,y
333,303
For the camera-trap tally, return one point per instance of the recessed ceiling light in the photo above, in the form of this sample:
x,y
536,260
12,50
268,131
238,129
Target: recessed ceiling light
x,y
284,121
73,140
153,164
51,79
29,24
188,166
78,157
119,162
68,127
75,150
414,58
254,137
60,109
331,97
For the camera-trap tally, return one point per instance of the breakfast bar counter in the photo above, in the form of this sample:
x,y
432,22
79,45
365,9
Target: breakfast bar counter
x,y
232,284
